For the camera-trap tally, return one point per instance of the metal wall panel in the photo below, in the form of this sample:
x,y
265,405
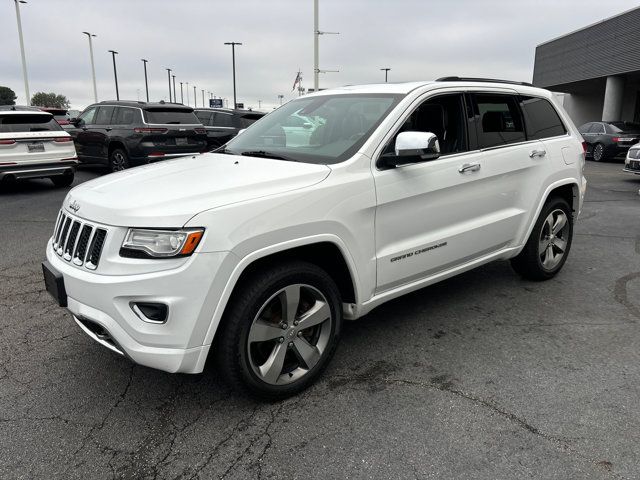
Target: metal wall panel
x,y
610,47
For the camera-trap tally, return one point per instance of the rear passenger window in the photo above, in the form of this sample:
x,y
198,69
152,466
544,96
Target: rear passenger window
x,y
103,117
204,117
541,119
124,116
596,128
223,120
499,120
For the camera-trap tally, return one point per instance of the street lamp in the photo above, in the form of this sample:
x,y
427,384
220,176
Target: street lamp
x,y
233,59
146,82
93,68
187,93
316,48
115,72
24,58
386,73
175,98
280,97
169,77
181,95
195,99
202,98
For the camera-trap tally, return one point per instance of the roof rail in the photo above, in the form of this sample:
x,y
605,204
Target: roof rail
x,y
487,80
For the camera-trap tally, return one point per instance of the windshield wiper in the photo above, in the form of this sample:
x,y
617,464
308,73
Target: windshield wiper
x,y
265,154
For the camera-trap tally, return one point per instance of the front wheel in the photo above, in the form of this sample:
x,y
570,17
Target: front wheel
x,y
280,330
548,246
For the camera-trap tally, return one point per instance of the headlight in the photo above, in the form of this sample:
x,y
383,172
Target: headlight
x,y
141,242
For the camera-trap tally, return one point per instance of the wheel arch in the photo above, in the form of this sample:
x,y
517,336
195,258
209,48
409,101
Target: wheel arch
x,y
114,144
327,251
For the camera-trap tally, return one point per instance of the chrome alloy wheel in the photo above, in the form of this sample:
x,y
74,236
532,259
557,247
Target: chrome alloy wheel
x,y
598,152
289,334
553,239
118,162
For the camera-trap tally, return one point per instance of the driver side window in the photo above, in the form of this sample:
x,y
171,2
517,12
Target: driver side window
x,y
86,118
443,116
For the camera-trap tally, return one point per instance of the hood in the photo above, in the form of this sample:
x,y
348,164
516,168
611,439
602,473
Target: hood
x,y
169,193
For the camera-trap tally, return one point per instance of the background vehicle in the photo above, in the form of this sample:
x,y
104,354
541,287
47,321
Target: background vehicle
x,y
256,253
123,134
632,160
61,115
608,140
33,145
222,124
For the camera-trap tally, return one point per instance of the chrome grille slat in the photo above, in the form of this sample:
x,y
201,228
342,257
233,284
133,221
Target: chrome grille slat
x,y
77,241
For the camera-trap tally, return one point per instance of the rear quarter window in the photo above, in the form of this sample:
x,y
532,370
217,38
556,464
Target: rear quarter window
x,y
167,116
28,123
541,119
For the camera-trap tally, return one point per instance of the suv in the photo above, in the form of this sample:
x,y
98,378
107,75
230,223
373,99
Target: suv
x,y
606,140
255,254
222,124
33,145
124,134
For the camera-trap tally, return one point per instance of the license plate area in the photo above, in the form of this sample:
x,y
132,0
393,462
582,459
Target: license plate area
x,y
35,147
54,283
181,141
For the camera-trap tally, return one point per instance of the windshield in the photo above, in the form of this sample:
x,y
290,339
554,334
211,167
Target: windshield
x,y
619,127
325,129
27,123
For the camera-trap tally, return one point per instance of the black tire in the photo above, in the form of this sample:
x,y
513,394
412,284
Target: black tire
x,y
529,262
118,160
597,152
63,180
234,355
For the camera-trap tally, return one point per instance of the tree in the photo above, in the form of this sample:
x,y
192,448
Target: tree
x,y
7,96
42,99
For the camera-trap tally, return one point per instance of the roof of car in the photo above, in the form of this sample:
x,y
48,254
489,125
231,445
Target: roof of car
x,y
21,109
144,105
229,110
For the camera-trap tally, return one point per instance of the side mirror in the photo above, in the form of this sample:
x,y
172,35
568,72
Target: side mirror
x,y
307,125
412,147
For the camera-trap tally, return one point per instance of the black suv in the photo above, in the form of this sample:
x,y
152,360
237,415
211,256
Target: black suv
x,y
124,134
607,140
223,124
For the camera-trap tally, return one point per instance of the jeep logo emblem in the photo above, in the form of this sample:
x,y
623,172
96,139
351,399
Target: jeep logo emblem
x,y
75,206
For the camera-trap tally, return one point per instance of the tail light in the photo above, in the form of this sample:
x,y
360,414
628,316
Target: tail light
x,y
156,154
200,130
63,139
616,139
150,130
7,142
584,153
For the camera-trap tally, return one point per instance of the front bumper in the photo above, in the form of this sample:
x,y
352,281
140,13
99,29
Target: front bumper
x,y
101,305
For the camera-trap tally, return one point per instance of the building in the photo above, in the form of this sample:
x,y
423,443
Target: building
x,y
597,68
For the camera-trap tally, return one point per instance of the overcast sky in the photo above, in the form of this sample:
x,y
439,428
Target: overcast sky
x,y
417,39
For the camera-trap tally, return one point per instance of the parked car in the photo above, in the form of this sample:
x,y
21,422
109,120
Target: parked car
x,y
255,254
123,134
607,140
222,124
33,145
632,160
59,114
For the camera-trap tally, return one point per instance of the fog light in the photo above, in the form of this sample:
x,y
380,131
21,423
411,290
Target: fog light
x,y
150,312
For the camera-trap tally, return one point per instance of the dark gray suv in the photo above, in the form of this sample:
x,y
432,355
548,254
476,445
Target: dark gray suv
x,y
123,134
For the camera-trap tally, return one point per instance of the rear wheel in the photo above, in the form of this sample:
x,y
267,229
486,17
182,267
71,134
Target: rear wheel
x,y
598,152
118,160
280,333
548,246
63,180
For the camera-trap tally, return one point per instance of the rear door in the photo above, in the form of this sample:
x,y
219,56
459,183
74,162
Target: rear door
x,y
223,127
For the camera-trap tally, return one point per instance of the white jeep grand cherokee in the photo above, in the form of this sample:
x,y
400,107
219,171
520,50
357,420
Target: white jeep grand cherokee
x,y
256,253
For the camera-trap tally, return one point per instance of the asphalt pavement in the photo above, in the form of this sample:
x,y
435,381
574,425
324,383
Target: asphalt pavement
x,y
483,376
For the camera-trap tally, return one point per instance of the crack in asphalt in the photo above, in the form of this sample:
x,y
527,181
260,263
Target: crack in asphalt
x,y
621,294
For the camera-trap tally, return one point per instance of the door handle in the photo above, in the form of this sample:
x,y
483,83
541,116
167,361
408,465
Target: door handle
x,y
469,167
537,153
108,129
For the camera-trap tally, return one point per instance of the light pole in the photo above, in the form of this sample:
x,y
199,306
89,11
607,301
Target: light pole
x,y
115,72
259,103
202,98
24,58
146,82
181,94
93,67
233,59
280,97
187,93
175,98
386,73
169,78
195,99
316,48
